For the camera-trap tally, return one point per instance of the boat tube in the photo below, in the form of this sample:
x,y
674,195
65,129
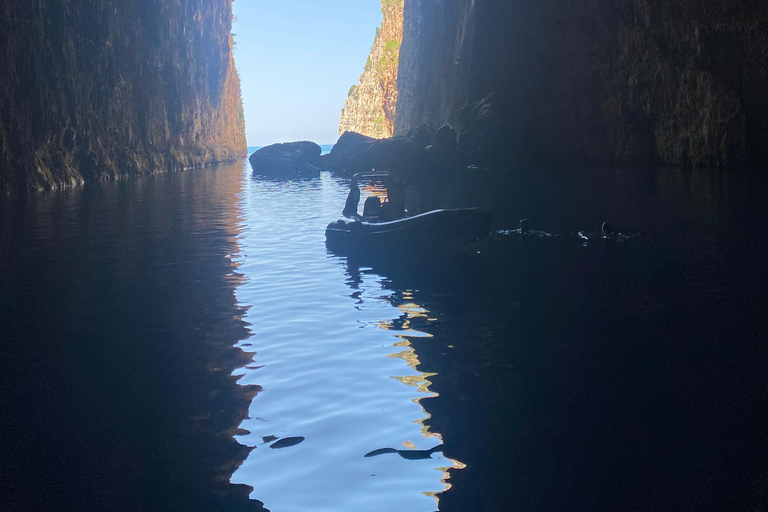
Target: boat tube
x,y
437,230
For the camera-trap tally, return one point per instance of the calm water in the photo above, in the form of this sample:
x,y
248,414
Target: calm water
x,y
157,332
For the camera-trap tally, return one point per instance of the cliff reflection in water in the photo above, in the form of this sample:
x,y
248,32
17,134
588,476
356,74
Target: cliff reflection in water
x,y
617,376
326,366
407,327
119,322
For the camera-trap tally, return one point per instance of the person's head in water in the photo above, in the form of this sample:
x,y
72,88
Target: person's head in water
x,y
525,226
608,229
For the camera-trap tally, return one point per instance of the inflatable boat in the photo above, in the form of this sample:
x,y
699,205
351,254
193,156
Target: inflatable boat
x,y
434,231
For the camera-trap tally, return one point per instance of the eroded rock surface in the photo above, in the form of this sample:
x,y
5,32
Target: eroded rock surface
x,y
349,145
370,106
675,82
101,90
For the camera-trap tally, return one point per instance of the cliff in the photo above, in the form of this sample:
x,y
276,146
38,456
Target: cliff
x,y
642,81
93,91
370,105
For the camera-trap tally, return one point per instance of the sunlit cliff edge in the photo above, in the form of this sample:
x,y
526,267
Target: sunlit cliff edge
x,y
93,91
370,105
679,82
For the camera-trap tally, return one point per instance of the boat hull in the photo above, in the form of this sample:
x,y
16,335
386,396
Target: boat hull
x,y
435,231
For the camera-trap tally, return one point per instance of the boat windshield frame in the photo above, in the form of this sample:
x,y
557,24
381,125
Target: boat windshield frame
x,y
375,176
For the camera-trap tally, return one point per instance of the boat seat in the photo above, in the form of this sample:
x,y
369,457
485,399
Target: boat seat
x,y
371,209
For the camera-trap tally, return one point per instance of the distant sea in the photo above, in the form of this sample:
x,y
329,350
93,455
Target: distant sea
x,y
325,147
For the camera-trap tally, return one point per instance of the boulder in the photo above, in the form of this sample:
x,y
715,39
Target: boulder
x,y
287,160
421,135
445,140
396,155
349,145
484,135
443,154
355,153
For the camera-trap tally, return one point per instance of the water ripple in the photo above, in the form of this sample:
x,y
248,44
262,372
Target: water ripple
x,y
331,370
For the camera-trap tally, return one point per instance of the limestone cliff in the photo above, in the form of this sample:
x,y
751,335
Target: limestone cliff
x,y
370,106
99,90
670,81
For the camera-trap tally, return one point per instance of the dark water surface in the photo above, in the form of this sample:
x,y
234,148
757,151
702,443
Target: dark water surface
x,y
185,342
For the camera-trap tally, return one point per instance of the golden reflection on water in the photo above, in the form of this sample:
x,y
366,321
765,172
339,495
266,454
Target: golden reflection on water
x,y
421,381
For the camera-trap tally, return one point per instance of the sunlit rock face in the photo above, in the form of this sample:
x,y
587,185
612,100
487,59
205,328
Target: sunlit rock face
x,y
101,90
675,82
370,105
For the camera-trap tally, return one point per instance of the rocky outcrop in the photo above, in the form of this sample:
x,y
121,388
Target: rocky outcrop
x,y
370,107
394,155
287,160
349,145
93,91
643,81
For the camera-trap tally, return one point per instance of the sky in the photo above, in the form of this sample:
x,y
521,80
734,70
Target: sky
x,y
297,60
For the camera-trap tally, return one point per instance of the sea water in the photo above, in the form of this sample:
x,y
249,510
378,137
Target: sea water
x,y
161,334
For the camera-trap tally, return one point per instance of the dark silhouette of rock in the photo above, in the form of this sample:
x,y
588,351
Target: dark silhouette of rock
x,y
355,153
391,155
287,160
100,90
640,81
445,140
422,135
349,145
485,134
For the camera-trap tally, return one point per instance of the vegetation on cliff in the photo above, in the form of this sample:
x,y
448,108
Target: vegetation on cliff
x,y
98,91
370,107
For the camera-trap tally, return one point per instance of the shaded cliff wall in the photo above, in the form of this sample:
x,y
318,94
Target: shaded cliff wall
x,y
101,89
370,107
669,81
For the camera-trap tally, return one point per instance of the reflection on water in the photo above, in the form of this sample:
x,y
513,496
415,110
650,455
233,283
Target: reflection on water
x,y
329,372
613,376
118,323
185,342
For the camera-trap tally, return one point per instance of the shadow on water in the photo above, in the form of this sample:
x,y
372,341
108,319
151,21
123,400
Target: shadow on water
x,y
616,376
119,325
540,374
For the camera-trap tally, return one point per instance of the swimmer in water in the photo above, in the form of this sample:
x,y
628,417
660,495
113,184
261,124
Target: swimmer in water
x,y
526,229
607,232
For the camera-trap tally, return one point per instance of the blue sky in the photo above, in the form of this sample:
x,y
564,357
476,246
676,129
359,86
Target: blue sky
x,y
297,60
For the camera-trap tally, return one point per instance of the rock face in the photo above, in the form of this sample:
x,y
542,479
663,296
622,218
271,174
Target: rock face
x,y
349,145
370,105
100,90
668,81
395,155
287,160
